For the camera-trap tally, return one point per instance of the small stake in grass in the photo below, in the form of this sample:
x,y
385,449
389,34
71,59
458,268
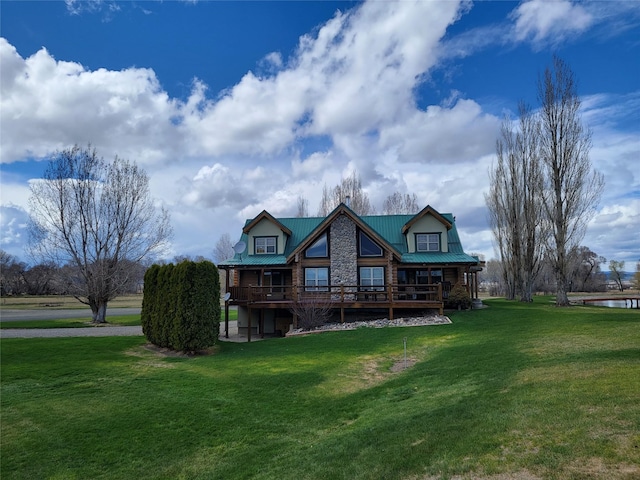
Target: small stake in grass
x,y
404,341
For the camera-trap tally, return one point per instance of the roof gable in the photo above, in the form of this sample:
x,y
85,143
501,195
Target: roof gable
x,y
342,209
264,215
428,210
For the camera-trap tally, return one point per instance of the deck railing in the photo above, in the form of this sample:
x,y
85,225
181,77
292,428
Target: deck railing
x,y
338,294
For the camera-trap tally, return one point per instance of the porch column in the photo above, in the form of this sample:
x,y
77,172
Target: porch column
x,y
261,326
226,319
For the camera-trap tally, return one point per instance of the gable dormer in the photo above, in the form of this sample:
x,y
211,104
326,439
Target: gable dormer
x,y
266,235
427,232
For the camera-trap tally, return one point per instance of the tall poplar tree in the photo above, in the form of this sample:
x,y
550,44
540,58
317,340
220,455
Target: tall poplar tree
x,y
572,189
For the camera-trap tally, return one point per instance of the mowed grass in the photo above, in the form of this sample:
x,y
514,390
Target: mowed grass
x,y
511,391
121,320
49,302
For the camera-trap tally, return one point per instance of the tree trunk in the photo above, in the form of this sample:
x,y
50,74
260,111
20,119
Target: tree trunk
x,y
99,312
562,300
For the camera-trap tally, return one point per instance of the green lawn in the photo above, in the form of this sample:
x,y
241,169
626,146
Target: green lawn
x,y
124,320
71,322
511,391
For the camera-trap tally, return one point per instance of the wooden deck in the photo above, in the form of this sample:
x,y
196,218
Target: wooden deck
x,y
390,297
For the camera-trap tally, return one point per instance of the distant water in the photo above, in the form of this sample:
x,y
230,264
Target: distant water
x,y
614,303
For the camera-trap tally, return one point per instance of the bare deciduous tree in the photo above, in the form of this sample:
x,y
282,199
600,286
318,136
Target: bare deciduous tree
x,y
223,249
98,218
572,188
617,270
397,204
11,274
585,274
303,207
348,191
515,204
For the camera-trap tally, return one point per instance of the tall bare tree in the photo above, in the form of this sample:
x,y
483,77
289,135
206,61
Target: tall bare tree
x,y
348,191
303,207
572,188
397,204
98,218
515,204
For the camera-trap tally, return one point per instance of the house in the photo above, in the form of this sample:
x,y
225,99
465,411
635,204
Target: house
x,y
390,262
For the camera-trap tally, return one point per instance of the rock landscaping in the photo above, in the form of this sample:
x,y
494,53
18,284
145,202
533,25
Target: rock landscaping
x,y
378,323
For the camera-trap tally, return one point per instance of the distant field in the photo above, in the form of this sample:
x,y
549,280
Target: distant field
x,y
26,302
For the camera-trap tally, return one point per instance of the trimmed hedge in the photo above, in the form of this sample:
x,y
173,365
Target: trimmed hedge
x,y
181,306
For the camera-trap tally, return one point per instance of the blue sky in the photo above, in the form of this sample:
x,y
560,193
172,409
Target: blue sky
x,y
236,107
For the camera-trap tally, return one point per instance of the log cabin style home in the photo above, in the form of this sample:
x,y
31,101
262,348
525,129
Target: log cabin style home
x,y
347,261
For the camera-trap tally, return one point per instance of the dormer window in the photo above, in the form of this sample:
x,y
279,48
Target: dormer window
x,y
319,249
265,245
427,242
369,248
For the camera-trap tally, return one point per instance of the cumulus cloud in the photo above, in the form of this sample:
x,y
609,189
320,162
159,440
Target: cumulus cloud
x,y
545,22
425,136
48,105
13,229
344,100
356,74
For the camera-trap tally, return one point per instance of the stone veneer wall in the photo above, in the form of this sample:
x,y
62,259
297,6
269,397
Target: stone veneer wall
x,y
344,252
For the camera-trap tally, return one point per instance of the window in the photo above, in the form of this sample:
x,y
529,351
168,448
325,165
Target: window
x,y
319,248
436,276
427,242
264,245
369,248
316,279
372,278
424,277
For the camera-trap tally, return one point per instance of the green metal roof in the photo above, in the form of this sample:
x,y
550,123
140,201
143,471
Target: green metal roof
x,y
388,227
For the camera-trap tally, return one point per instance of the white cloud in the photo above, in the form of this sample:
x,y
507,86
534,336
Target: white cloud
x,y
549,22
344,100
48,105
13,229
356,75
426,136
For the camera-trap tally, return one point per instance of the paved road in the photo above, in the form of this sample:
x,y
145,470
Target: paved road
x,y
12,315
106,331
103,330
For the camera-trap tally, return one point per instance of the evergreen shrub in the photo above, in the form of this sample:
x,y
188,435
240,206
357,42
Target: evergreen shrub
x,y
459,297
181,306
